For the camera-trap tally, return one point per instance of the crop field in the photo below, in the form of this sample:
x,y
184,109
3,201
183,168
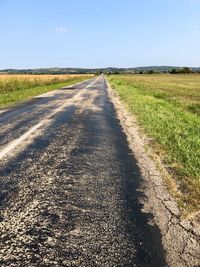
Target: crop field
x,y
167,108
16,88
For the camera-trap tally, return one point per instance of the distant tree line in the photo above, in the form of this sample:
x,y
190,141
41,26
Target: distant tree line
x,y
181,71
110,70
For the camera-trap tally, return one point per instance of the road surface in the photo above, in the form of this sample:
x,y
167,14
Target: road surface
x,y
69,186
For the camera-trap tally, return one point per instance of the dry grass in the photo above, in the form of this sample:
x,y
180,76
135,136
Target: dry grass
x,y
16,88
181,87
45,77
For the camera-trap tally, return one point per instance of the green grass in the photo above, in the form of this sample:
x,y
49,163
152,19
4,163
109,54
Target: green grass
x,y
17,90
168,109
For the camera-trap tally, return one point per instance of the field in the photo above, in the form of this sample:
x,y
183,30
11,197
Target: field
x,y
16,88
168,109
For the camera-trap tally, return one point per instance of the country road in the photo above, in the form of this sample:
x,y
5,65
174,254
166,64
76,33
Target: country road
x,y
69,185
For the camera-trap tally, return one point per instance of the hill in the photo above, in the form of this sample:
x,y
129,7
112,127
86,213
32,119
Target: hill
x,y
112,70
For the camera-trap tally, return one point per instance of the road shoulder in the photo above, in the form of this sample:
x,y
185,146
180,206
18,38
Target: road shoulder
x,y
180,236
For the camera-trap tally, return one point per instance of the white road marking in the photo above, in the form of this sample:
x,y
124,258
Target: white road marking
x,y
2,111
13,144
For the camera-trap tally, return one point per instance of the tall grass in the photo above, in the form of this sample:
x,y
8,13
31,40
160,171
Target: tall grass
x,y
167,108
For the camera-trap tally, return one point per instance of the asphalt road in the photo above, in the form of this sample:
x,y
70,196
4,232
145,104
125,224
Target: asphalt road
x,y
70,186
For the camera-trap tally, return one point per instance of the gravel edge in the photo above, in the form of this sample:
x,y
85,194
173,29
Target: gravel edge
x,y
180,237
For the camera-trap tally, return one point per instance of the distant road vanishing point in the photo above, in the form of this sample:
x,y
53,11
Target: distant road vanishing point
x,y
69,185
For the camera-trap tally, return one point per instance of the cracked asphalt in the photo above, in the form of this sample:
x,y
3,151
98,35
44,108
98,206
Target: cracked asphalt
x,y
70,194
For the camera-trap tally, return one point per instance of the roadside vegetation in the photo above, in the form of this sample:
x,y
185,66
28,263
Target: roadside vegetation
x,y
168,109
17,88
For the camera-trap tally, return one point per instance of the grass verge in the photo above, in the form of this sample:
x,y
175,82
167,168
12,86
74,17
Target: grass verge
x,y
162,105
15,91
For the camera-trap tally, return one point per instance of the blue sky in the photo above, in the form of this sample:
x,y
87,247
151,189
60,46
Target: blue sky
x,y
91,33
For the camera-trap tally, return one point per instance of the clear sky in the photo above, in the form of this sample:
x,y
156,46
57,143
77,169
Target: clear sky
x,y
94,33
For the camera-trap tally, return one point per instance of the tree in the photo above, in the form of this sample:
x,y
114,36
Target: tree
x,y
151,72
174,71
186,70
